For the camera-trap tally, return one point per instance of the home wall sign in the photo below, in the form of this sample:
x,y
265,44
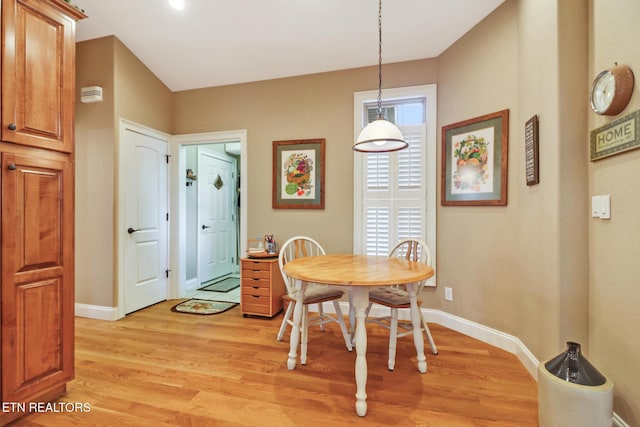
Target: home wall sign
x,y
616,137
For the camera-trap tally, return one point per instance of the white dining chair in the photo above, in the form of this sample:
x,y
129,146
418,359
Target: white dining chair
x,y
297,247
396,298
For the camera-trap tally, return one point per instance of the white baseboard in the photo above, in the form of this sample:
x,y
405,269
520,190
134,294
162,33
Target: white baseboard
x,y
96,311
485,334
475,330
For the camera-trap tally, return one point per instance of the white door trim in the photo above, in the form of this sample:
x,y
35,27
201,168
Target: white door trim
x,y
177,166
120,225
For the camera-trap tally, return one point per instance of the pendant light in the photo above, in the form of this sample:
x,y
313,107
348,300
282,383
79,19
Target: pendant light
x,y
380,135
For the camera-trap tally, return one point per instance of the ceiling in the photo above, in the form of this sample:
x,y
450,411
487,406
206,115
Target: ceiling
x,y
221,42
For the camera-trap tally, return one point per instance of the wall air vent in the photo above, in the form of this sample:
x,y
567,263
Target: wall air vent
x,y
91,94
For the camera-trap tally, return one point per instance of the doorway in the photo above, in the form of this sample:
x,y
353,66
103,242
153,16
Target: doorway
x,y
189,227
216,206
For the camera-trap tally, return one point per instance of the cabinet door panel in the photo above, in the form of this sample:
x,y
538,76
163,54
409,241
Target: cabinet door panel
x,y
39,194
39,341
37,275
38,84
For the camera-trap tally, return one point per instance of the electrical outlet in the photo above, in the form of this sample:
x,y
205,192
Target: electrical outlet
x,y
448,294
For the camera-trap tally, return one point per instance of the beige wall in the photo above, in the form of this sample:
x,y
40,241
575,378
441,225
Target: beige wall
x,y
95,197
478,256
130,91
520,268
614,245
140,96
539,268
315,106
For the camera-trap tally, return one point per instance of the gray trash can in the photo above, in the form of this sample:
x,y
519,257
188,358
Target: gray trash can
x,y
572,392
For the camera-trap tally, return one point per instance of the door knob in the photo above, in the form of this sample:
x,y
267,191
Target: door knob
x,y
12,166
132,230
205,226
12,126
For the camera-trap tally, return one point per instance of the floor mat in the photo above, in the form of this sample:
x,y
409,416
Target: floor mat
x,y
224,285
199,306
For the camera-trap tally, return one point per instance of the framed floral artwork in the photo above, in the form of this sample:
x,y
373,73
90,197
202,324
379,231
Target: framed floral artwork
x,y
298,174
474,161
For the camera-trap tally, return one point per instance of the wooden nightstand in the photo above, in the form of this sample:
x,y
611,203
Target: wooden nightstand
x,y
262,287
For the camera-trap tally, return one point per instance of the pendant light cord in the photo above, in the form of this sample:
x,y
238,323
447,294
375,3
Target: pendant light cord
x,y
380,59
380,136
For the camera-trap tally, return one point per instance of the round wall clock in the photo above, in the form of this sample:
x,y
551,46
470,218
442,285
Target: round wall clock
x,y
611,90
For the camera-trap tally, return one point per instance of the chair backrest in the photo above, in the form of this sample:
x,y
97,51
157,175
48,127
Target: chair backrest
x,y
296,247
413,250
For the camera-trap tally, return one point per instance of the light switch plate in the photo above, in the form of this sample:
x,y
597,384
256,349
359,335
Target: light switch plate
x,y
601,206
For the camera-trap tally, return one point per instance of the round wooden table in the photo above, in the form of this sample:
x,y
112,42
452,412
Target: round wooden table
x,y
359,273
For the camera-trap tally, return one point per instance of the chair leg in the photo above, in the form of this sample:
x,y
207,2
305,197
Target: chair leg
x,y
343,326
352,316
432,343
366,312
321,316
305,334
285,320
393,338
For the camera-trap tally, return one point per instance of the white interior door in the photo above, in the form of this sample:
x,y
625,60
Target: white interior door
x,y
216,214
146,219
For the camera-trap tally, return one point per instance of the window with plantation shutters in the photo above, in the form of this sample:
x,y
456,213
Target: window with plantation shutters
x,y
394,193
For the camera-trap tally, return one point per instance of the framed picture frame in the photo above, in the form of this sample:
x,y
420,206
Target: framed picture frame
x,y
298,174
532,168
474,161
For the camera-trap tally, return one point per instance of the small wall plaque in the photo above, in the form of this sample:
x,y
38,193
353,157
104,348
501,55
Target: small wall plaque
x,y
616,137
531,151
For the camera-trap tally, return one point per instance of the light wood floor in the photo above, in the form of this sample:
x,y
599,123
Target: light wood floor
x,y
160,368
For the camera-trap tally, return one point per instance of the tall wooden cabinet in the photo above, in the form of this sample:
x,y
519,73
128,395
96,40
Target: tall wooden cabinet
x,y
37,204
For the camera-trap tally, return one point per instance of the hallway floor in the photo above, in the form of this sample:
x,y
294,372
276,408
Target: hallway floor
x,y
231,296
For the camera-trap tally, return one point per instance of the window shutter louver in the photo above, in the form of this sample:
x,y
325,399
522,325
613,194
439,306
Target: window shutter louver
x,y
410,221
377,171
377,230
410,160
